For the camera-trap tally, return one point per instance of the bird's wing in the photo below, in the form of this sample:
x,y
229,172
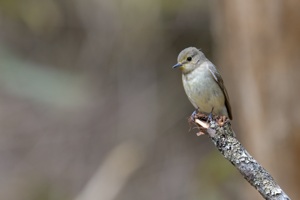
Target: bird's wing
x,y
213,70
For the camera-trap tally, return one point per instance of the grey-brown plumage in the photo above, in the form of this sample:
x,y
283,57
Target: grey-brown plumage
x,y
203,83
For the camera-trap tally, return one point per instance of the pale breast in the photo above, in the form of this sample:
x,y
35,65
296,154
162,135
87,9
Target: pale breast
x,y
203,91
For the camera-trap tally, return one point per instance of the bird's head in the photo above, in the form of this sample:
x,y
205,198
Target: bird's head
x,y
189,59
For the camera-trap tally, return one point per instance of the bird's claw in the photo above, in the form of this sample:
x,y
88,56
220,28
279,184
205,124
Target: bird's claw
x,y
194,114
209,117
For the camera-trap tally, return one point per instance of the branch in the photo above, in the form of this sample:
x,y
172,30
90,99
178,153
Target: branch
x,y
220,132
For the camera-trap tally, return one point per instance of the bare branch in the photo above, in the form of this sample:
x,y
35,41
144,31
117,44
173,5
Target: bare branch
x,y
223,137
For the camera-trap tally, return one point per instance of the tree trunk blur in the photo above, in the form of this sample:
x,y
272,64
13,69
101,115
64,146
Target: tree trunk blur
x,y
258,48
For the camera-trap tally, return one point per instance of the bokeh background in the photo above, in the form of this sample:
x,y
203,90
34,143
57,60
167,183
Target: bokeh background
x,y
90,108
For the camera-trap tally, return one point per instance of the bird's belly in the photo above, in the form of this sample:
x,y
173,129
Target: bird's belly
x,y
205,94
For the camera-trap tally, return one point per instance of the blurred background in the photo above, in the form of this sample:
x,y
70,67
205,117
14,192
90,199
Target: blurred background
x,y
90,108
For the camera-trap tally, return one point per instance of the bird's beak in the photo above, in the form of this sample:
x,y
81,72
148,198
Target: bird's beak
x,y
177,65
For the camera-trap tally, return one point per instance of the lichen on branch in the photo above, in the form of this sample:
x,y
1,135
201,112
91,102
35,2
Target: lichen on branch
x,y
223,137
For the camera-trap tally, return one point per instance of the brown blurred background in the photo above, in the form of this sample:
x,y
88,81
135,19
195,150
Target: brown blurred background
x,y
90,108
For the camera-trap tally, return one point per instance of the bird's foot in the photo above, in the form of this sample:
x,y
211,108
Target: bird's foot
x,y
193,117
194,114
210,115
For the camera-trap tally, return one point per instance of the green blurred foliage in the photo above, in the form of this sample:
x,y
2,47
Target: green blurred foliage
x,y
42,17
78,78
216,177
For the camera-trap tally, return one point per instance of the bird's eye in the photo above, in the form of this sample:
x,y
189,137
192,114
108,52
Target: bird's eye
x,y
189,58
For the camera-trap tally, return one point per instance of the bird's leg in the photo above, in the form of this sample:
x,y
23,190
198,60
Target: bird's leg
x,y
194,114
210,116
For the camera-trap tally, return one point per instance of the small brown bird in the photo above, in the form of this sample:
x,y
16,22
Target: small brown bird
x,y
203,83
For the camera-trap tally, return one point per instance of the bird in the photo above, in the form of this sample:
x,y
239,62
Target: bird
x,y
203,83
